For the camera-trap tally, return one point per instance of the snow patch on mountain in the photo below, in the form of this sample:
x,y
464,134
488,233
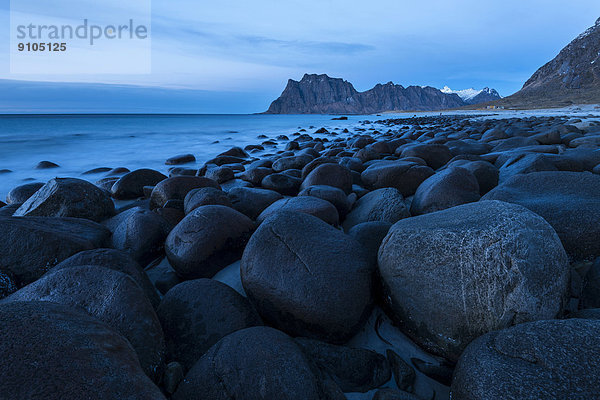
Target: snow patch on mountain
x,y
466,94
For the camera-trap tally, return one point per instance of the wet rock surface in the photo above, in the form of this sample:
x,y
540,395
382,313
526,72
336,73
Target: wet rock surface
x,y
376,256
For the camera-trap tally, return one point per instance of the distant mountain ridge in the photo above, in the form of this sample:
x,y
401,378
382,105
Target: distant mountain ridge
x,y
572,77
321,94
473,96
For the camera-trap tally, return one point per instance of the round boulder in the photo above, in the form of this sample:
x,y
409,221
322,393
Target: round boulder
x,y
558,359
197,314
307,278
110,296
68,197
118,261
131,185
177,188
403,175
448,188
207,196
456,274
253,364
207,240
54,352
252,201
305,204
22,193
334,195
331,175
385,205
569,201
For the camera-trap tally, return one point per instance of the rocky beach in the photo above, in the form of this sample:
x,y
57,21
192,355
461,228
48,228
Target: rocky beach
x,y
429,257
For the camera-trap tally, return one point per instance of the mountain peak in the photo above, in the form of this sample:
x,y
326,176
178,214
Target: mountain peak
x,y
473,96
321,94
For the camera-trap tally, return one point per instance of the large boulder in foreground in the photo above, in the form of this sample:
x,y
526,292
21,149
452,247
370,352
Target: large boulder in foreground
x,y
307,278
254,364
110,296
55,352
448,188
116,260
33,245
454,275
68,197
558,359
207,240
569,201
197,314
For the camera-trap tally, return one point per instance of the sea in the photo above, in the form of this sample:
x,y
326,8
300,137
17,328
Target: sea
x,y
78,143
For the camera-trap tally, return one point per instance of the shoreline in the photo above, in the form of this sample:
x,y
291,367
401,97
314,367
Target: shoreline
x,y
395,245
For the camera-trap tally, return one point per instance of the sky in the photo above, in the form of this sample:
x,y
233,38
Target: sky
x,y
235,56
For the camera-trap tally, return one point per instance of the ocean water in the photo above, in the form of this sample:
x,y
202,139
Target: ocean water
x,y
78,143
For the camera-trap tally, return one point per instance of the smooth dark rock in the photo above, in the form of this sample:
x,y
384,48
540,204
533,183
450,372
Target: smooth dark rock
x,y
435,155
219,174
404,176
206,240
131,185
98,170
333,195
449,188
253,364
370,235
55,352
315,206
68,197
353,370
33,245
112,297
46,165
207,196
294,258
141,233
386,205
331,175
487,174
484,266
569,201
177,188
116,260
197,314
22,193
181,159
255,175
282,183
292,162
252,201
538,360
393,394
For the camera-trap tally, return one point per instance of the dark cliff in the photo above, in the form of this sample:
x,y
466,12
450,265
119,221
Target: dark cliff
x,y
320,94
